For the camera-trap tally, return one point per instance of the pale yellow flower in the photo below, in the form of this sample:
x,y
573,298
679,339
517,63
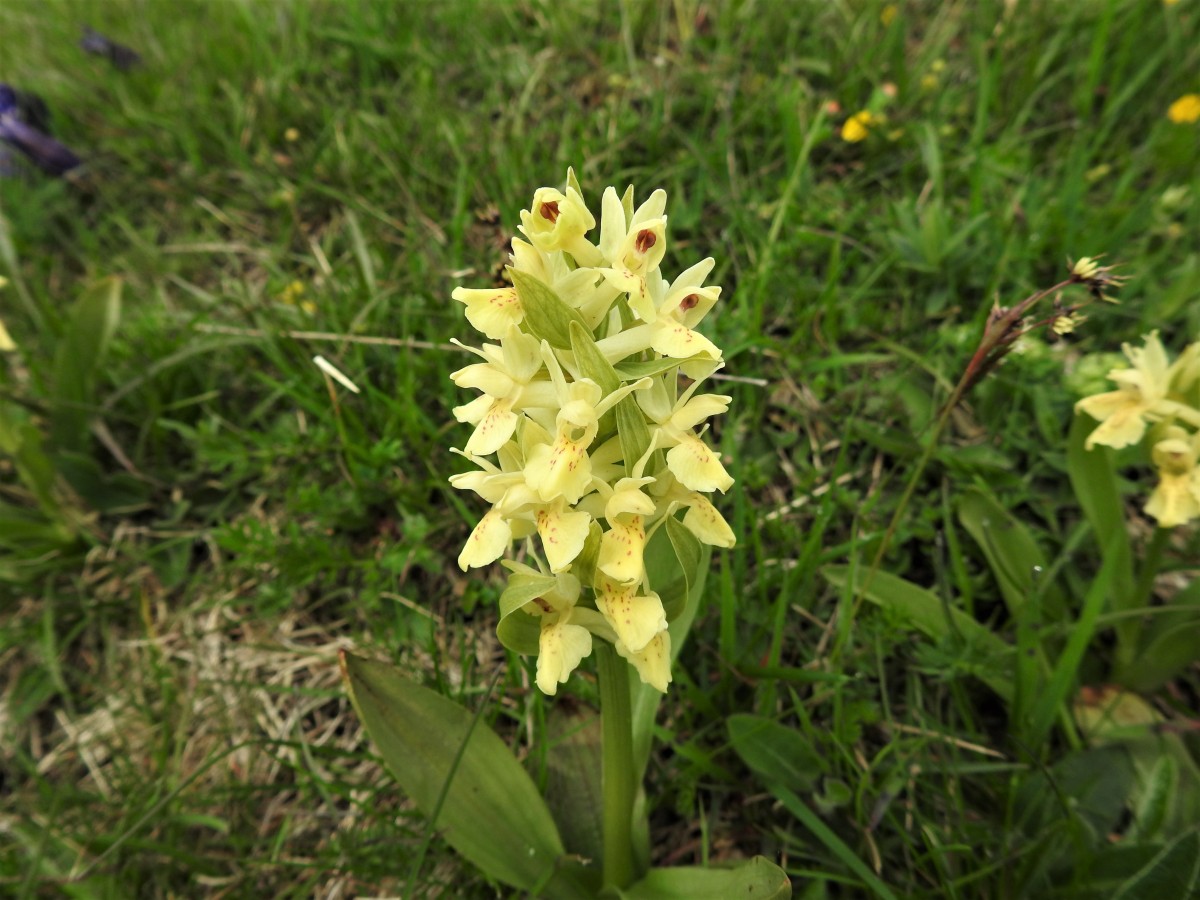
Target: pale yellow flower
x,y
562,529
690,460
508,379
1185,110
1176,499
1185,371
635,617
639,244
702,518
1124,413
653,662
624,543
558,221
493,533
562,468
563,641
491,311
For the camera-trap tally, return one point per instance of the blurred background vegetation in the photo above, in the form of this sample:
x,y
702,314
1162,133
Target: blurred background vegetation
x,y
193,520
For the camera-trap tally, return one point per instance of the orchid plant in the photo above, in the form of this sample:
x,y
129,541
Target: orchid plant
x,y
588,443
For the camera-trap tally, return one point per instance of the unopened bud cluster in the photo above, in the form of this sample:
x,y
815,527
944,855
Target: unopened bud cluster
x,y
588,432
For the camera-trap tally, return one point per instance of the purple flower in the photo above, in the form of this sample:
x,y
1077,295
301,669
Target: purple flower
x,y
22,120
118,54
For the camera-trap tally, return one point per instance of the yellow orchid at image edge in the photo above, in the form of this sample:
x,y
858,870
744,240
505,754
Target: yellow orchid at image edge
x,y
1161,397
1176,499
589,329
1141,398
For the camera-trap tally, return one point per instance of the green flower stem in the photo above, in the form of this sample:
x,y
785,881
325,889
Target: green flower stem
x,y
616,723
998,335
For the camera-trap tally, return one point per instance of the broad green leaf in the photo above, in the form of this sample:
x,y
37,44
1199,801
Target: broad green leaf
x,y
1099,783
546,315
574,764
1167,655
78,359
34,467
1165,794
1094,480
592,363
1114,864
1169,643
780,755
926,612
1013,555
459,772
1174,872
758,878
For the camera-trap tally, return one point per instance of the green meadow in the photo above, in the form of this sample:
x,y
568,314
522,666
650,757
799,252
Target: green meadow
x,y
950,656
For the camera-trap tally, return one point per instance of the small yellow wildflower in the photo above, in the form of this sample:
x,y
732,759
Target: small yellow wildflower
x,y
858,126
293,295
1068,323
888,14
1088,272
291,135
1185,110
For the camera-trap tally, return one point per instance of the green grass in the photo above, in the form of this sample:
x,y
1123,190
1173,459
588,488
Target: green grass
x,y
173,721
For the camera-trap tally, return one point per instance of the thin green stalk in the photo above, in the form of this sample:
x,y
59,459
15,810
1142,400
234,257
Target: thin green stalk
x,y
616,723
1128,636
998,333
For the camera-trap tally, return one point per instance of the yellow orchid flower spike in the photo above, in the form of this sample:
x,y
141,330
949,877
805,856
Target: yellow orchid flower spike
x,y
596,445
